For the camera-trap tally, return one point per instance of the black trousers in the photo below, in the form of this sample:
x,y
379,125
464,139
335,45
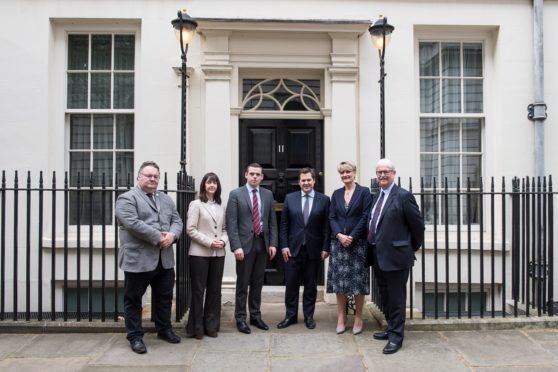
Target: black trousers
x,y
206,277
250,272
393,295
161,281
301,269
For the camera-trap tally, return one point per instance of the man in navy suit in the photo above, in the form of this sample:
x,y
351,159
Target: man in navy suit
x,y
395,232
304,242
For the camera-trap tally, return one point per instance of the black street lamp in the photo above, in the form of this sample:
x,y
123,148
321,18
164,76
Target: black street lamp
x,y
380,31
185,29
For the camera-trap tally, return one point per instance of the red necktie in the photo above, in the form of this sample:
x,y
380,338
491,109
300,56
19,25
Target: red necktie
x,y
256,211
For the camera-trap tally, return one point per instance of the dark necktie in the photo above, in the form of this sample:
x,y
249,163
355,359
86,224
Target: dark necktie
x,y
306,208
256,211
151,197
372,230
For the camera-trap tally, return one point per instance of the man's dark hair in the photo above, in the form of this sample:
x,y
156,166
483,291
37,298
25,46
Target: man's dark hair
x,y
253,165
306,170
148,163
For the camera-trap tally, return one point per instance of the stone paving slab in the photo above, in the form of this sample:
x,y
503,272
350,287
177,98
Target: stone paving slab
x,y
308,363
65,345
10,343
44,364
119,353
500,348
233,361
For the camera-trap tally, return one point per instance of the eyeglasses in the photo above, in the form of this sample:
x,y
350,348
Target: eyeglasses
x,y
383,173
154,176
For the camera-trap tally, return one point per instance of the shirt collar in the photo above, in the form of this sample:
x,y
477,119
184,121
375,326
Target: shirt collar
x,y
250,188
310,194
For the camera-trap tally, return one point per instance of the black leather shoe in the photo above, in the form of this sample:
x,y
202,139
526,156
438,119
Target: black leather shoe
x,y
286,322
259,323
380,335
310,323
391,348
138,346
169,336
243,327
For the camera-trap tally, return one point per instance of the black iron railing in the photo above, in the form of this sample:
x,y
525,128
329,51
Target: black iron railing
x,y
487,252
61,254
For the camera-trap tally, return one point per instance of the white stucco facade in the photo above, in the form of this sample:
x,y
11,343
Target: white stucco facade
x,y
305,39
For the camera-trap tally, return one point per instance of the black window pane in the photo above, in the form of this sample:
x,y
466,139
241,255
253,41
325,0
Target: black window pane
x,y
451,95
451,60
449,168
429,59
124,47
79,168
428,169
85,204
449,135
472,59
77,90
102,164
78,49
472,169
473,95
102,132
248,84
471,135
125,131
124,168
428,135
100,91
429,95
123,90
101,48
80,132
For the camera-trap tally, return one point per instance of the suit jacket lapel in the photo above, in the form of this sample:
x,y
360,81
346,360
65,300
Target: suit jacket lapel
x,y
143,195
387,203
246,198
210,211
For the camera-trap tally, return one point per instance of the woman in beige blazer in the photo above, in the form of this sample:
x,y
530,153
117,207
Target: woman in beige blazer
x,y
206,227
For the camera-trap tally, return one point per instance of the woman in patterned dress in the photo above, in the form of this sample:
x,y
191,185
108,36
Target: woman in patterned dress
x,y
347,274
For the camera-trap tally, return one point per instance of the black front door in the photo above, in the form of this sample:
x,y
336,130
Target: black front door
x,y
282,147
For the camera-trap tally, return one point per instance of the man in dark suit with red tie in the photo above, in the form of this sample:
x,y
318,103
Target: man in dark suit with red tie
x,y
395,232
304,241
252,230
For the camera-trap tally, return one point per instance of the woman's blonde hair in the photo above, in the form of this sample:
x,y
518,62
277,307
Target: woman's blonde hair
x,y
346,165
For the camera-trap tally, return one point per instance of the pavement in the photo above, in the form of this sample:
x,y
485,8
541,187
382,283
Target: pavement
x,y
65,347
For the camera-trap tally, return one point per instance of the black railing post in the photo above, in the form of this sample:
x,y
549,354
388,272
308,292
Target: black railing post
x,y
28,248
550,248
53,251
515,244
492,256
16,241
40,251
3,247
